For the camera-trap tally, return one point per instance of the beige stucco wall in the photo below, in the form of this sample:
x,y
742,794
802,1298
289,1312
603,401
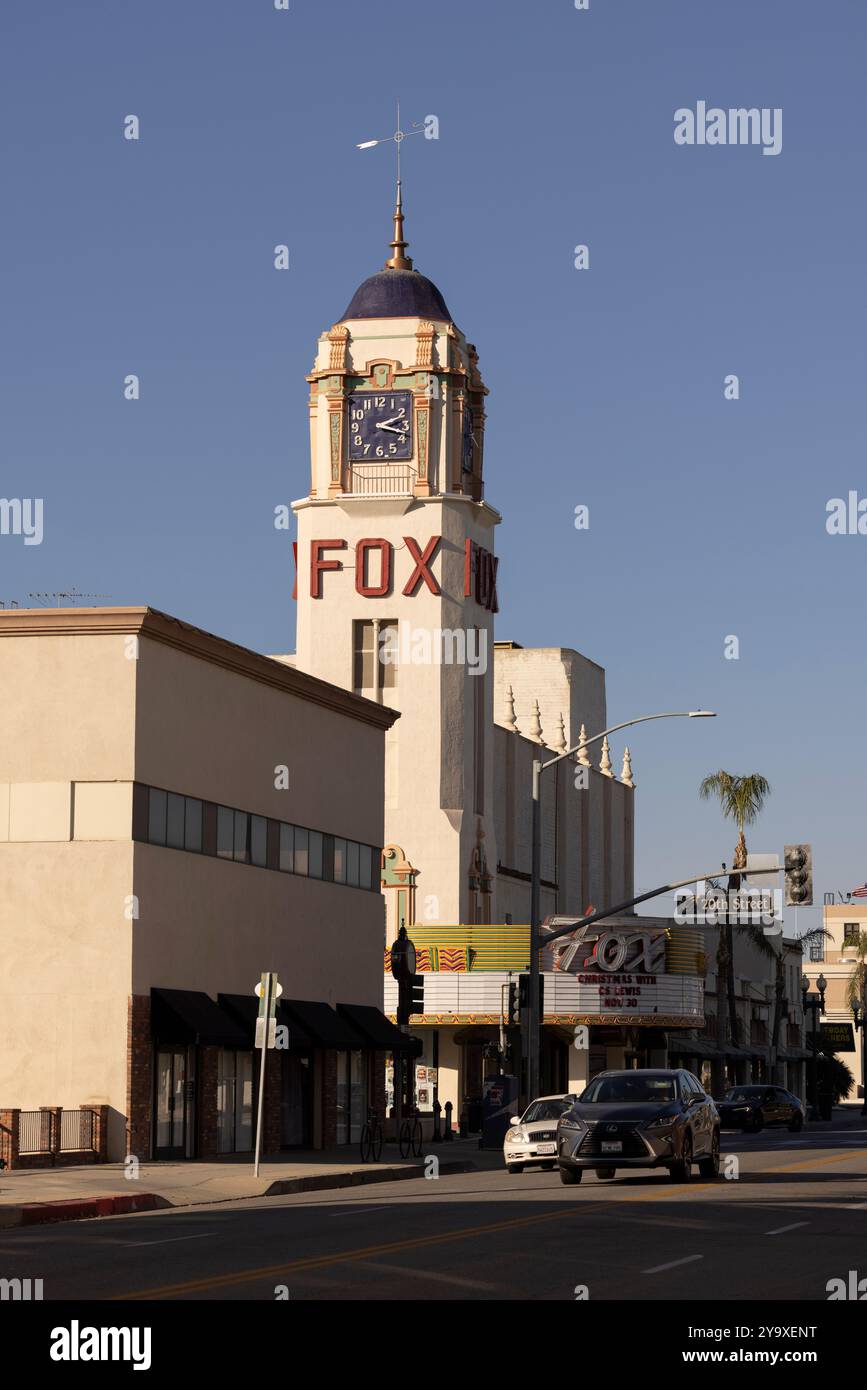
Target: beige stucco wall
x,y
87,917
216,734
213,925
587,833
78,692
562,680
67,949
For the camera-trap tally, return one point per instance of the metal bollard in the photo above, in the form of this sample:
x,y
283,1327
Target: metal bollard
x,y
447,1134
436,1137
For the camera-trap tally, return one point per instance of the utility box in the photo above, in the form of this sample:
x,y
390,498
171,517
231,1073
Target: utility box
x,y
499,1101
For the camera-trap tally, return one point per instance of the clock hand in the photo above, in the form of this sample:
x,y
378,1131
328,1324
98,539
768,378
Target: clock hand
x,y
395,429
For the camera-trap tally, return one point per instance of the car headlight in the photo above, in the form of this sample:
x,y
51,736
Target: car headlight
x,y
516,1136
661,1122
571,1122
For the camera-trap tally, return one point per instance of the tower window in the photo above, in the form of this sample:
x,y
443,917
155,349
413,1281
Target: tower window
x,y
368,641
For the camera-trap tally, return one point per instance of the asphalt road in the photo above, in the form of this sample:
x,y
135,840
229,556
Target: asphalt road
x,y
792,1215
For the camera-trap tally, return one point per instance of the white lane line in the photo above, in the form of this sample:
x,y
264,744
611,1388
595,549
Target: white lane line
x,y
170,1240
428,1274
781,1230
687,1260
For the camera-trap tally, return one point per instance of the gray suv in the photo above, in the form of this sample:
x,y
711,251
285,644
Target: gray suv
x,y
639,1119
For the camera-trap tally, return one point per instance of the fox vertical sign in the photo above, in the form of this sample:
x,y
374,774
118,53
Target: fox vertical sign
x,y
268,991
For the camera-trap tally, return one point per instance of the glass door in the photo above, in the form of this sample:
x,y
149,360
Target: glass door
x,y
171,1136
235,1101
295,1097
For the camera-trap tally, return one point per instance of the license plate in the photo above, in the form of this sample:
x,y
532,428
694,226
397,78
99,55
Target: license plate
x,y
546,1148
612,1146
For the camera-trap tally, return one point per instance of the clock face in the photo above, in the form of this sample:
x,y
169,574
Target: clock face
x,y
380,426
467,451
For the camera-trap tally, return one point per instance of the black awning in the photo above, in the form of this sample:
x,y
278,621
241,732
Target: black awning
x,y
244,1008
380,1032
189,1016
690,1047
326,1027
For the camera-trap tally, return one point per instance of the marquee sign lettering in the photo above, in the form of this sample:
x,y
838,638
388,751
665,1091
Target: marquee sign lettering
x,y
612,950
374,568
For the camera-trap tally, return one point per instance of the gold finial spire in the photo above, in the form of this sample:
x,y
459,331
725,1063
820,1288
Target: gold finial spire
x,y
397,260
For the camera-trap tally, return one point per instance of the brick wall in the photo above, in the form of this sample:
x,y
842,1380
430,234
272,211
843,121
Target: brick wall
x,y
271,1111
377,1084
206,1103
9,1135
329,1099
139,1084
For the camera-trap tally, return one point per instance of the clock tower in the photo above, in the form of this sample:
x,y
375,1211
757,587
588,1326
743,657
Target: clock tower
x,y
397,576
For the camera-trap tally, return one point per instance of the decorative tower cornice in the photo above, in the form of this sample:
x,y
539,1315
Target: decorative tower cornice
x,y
626,773
583,756
605,761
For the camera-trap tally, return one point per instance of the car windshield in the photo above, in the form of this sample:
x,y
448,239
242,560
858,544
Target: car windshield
x,y
544,1110
746,1093
640,1090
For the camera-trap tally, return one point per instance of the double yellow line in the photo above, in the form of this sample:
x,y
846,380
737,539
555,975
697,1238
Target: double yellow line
x,y
246,1276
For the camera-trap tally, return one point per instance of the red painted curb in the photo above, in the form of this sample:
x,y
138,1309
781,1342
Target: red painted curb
x,y
79,1208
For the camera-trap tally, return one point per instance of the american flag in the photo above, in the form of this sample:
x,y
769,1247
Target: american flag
x,y
860,892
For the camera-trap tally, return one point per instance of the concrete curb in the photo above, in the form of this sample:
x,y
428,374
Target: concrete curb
x,y
80,1208
360,1178
121,1204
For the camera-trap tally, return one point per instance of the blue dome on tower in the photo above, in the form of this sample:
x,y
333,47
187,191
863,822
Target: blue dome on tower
x,y
397,294
397,291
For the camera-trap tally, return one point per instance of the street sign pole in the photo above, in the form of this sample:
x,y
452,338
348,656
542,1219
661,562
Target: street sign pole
x,y
267,990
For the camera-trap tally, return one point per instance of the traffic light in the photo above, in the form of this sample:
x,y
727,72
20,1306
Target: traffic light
x,y
410,997
513,1013
798,860
524,993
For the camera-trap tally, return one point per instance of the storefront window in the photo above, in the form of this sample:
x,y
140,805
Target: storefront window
x,y
351,1096
235,1101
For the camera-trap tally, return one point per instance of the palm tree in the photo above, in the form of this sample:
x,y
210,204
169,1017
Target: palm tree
x,y
741,799
855,990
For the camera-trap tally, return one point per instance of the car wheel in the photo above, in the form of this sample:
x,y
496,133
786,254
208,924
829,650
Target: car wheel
x,y
709,1167
797,1124
570,1175
605,1172
547,1166
681,1171
515,1167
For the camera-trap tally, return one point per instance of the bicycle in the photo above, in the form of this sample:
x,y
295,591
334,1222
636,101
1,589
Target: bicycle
x,y
410,1137
371,1138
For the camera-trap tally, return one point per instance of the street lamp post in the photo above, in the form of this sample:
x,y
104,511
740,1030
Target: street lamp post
x,y
859,1014
533,1019
817,1005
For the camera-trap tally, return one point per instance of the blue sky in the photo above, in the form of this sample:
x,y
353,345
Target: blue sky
x,y
707,517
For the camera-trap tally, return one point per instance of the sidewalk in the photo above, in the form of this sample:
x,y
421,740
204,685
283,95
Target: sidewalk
x,y
33,1196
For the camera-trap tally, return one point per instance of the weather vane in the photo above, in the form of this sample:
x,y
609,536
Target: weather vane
x,y
398,137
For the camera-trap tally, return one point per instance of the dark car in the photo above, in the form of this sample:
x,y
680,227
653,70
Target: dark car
x,y
639,1119
752,1107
